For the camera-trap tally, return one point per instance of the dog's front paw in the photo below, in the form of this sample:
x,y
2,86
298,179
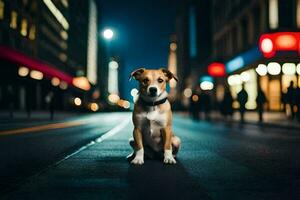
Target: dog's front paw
x,y
139,157
138,161
168,157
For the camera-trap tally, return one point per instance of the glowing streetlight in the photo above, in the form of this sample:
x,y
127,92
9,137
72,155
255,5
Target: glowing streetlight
x,y
108,34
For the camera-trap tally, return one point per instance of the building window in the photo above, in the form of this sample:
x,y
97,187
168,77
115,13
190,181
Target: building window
x,y
32,32
65,3
13,19
24,25
273,14
1,9
298,14
57,14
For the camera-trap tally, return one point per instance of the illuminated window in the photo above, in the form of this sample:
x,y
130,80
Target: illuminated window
x,y
24,24
65,3
13,19
32,32
1,9
274,95
298,14
63,57
273,14
64,35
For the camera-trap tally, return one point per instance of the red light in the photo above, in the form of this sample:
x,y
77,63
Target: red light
x,y
269,44
216,69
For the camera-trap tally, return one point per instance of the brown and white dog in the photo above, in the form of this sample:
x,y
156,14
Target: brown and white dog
x,y
152,117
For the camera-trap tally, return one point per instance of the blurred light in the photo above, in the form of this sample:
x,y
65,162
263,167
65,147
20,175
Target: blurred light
x,y
134,92
94,107
187,92
206,85
55,81
92,43
77,101
65,3
234,80
63,57
286,41
24,24
108,34
82,83
113,65
96,94
298,69
173,46
206,78
274,68
2,6
63,85
216,69
36,75
273,14
245,76
235,64
113,98
13,19
266,45
57,14
113,82
195,98
261,70
23,71
289,68
64,35
32,32
126,104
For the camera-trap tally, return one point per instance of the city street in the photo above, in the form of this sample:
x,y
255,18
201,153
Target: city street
x,y
85,158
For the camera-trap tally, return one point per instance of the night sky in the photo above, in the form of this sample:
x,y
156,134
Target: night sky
x,y
142,31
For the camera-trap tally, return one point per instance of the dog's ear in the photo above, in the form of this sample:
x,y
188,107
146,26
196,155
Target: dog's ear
x,y
136,74
169,74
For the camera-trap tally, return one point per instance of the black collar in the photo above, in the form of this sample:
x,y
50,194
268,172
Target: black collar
x,y
152,103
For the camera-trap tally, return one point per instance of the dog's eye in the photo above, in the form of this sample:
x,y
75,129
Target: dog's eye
x,y
160,80
145,81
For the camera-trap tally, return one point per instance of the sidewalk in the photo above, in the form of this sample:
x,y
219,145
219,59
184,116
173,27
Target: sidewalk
x,y
272,119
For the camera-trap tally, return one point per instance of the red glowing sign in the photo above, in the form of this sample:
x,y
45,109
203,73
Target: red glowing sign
x,y
269,44
216,69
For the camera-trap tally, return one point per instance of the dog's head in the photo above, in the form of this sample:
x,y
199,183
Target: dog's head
x,y
152,82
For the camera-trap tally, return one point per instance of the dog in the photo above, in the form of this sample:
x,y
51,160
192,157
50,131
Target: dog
x,y
152,117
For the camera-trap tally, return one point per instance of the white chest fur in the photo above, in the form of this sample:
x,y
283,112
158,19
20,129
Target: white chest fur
x,y
151,123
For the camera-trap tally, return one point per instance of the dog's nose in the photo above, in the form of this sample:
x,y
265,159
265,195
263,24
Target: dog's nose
x,y
153,91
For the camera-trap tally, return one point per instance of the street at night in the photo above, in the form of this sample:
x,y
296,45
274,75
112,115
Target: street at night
x,y
216,161
150,99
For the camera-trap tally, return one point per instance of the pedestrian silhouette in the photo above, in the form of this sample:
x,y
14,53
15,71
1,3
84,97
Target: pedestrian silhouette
x,y
290,97
284,101
260,102
297,100
205,104
242,98
226,108
194,104
50,101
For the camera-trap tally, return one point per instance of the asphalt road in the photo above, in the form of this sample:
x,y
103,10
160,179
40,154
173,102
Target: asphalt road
x,y
217,161
24,154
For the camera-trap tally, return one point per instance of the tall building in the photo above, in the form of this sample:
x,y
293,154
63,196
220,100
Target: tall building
x,y
194,43
48,46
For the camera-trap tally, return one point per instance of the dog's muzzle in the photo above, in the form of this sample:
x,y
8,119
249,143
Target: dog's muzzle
x,y
153,91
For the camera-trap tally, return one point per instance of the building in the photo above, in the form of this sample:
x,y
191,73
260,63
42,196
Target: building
x,y
194,44
48,46
239,30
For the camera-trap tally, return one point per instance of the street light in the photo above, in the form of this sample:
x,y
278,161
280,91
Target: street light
x,y
108,34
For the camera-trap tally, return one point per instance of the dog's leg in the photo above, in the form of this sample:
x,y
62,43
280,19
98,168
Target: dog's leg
x,y
175,144
139,150
167,136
